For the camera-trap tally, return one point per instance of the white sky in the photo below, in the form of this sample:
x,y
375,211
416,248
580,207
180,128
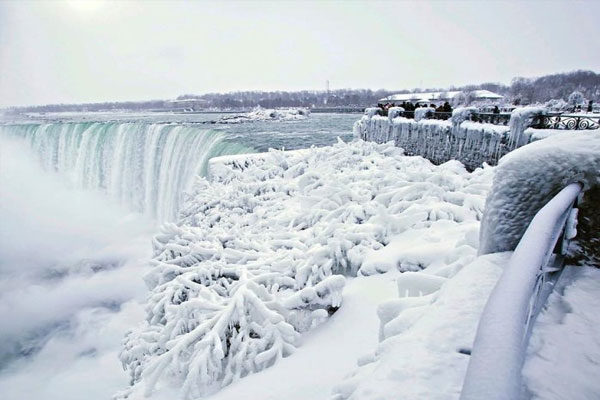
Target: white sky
x,y
78,51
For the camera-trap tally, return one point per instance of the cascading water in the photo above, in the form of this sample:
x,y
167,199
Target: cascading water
x,y
145,167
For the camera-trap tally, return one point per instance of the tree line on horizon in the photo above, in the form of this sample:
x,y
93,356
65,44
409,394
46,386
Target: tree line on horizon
x,y
520,91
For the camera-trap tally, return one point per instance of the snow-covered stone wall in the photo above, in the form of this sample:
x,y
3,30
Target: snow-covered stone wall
x,y
527,178
469,142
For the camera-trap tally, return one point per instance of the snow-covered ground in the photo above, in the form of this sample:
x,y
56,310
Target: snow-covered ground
x,y
426,339
564,351
293,224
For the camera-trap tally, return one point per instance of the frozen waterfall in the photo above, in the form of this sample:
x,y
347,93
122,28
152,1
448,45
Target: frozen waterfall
x,y
145,167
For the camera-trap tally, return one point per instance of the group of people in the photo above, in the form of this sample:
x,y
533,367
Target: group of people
x,y
409,108
589,109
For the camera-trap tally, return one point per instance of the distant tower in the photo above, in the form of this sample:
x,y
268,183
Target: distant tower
x,y
327,86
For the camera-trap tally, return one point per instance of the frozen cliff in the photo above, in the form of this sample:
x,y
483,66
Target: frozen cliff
x,y
471,143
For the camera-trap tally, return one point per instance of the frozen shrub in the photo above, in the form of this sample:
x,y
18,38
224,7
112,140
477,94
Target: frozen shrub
x,y
261,252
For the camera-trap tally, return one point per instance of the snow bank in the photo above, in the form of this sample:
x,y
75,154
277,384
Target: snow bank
x,y
529,177
563,358
439,141
267,114
426,337
261,250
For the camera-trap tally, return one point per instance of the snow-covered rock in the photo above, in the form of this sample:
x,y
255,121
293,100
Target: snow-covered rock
x,y
267,114
529,177
260,253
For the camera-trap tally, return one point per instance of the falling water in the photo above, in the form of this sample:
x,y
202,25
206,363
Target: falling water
x,y
145,167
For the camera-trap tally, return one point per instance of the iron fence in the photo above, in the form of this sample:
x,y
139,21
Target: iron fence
x,y
567,121
547,121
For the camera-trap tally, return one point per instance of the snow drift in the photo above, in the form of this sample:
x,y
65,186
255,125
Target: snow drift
x,y
261,251
564,347
426,337
529,177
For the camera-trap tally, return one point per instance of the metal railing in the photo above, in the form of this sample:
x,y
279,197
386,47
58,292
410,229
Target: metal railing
x,y
547,121
567,121
498,354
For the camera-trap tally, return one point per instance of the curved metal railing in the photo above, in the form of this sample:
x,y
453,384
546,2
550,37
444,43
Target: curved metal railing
x,y
494,371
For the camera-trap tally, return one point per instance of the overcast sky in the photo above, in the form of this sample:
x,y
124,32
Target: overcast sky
x,y
81,51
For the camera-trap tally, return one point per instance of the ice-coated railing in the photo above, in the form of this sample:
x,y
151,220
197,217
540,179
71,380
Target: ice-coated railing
x,y
494,371
546,120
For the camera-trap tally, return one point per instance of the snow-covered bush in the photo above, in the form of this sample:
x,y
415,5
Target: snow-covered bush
x,y
576,98
527,178
556,105
423,113
261,250
459,99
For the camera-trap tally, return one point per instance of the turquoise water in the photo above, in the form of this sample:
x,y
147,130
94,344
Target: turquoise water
x,y
146,162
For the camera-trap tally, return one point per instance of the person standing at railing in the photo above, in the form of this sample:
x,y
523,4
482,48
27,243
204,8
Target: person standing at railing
x,y
496,116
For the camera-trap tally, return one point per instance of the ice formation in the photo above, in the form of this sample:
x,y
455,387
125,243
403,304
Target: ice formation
x,y
462,114
261,250
528,177
470,142
145,167
423,112
439,141
520,120
394,112
267,114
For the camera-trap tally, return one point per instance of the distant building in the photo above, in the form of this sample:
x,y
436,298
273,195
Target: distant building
x,y
436,97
